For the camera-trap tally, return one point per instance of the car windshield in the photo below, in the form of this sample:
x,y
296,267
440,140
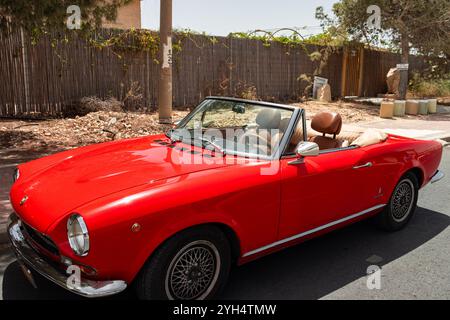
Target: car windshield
x,y
234,127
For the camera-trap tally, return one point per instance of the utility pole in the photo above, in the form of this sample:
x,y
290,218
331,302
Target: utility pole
x,y
165,77
403,85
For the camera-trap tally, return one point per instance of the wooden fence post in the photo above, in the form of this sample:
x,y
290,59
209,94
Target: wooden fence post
x,y
344,72
361,71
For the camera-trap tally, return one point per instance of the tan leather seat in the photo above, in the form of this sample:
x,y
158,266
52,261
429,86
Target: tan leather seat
x,y
260,138
284,124
268,119
296,137
276,138
327,123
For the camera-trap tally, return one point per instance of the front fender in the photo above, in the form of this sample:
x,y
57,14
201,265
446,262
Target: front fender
x,y
171,227
171,206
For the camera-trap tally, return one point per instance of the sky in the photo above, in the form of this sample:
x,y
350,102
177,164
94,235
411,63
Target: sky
x,y
222,17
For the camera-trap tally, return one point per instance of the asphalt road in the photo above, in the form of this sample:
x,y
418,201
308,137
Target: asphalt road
x,y
414,262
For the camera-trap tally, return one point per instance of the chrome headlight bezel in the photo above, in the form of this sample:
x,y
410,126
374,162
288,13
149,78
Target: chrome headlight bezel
x,y
76,227
16,175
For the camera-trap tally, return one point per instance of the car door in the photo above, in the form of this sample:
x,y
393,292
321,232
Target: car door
x,y
381,174
320,190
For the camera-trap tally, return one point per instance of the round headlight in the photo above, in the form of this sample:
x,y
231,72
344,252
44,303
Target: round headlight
x,y
16,175
78,235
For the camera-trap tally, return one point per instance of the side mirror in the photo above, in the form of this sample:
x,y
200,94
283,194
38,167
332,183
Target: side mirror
x,y
307,149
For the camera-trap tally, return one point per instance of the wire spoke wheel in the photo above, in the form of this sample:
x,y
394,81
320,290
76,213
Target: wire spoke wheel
x,y
193,272
402,200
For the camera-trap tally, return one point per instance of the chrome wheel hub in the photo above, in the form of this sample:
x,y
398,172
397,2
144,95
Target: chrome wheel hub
x,y
193,272
402,200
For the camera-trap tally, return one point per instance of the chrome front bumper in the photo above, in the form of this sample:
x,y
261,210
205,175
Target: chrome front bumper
x,y
437,176
26,255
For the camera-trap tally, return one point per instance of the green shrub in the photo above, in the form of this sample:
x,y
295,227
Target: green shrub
x,y
430,87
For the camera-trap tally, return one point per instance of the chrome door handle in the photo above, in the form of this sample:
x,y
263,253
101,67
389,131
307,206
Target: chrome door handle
x,y
368,164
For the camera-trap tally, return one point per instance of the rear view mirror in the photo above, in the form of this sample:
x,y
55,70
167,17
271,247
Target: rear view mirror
x,y
239,108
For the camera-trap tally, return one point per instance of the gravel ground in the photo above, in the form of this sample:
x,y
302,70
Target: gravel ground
x,y
95,127
59,134
350,112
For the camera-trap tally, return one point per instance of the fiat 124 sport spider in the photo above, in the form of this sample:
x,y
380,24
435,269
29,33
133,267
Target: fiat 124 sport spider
x,y
233,181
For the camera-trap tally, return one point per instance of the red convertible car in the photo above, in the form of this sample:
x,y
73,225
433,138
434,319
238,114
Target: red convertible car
x,y
231,182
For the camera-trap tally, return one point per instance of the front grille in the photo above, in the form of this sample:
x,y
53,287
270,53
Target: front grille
x,y
40,239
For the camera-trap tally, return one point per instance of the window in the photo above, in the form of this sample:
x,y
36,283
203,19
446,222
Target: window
x,y
296,137
238,127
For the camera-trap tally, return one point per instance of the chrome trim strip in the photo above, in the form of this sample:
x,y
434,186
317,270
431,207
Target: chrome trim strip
x,y
339,149
303,234
296,116
292,155
254,102
437,176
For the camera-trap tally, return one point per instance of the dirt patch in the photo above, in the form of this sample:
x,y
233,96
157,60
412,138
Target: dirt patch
x,y
444,101
350,112
50,136
95,127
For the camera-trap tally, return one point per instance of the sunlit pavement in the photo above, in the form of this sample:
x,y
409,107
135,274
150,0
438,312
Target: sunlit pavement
x,y
414,262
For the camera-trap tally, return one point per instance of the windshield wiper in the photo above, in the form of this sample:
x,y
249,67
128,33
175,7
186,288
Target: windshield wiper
x,y
174,139
169,134
211,143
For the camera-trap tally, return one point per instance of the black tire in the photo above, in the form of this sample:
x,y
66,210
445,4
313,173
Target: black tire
x,y
163,276
402,204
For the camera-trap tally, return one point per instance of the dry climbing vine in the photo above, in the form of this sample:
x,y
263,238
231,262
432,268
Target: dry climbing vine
x,y
318,48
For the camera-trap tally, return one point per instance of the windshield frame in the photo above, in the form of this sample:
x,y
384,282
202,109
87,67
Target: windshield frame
x,y
297,114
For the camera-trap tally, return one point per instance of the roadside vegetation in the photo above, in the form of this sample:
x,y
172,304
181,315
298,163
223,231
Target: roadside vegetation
x,y
418,26
430,87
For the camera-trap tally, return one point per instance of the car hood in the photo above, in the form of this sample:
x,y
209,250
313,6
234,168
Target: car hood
x,y
86,174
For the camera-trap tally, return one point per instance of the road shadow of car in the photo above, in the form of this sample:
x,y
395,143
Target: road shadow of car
x,y
309,270
315,268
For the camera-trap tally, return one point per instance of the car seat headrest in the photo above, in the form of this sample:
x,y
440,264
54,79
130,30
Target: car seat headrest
x,y
268,118
327,123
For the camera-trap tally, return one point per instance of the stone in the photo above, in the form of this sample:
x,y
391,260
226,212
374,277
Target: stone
x,y
387,109
412,107
393,80
120,126
399,108
423,107
324,93
432,105
112,121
